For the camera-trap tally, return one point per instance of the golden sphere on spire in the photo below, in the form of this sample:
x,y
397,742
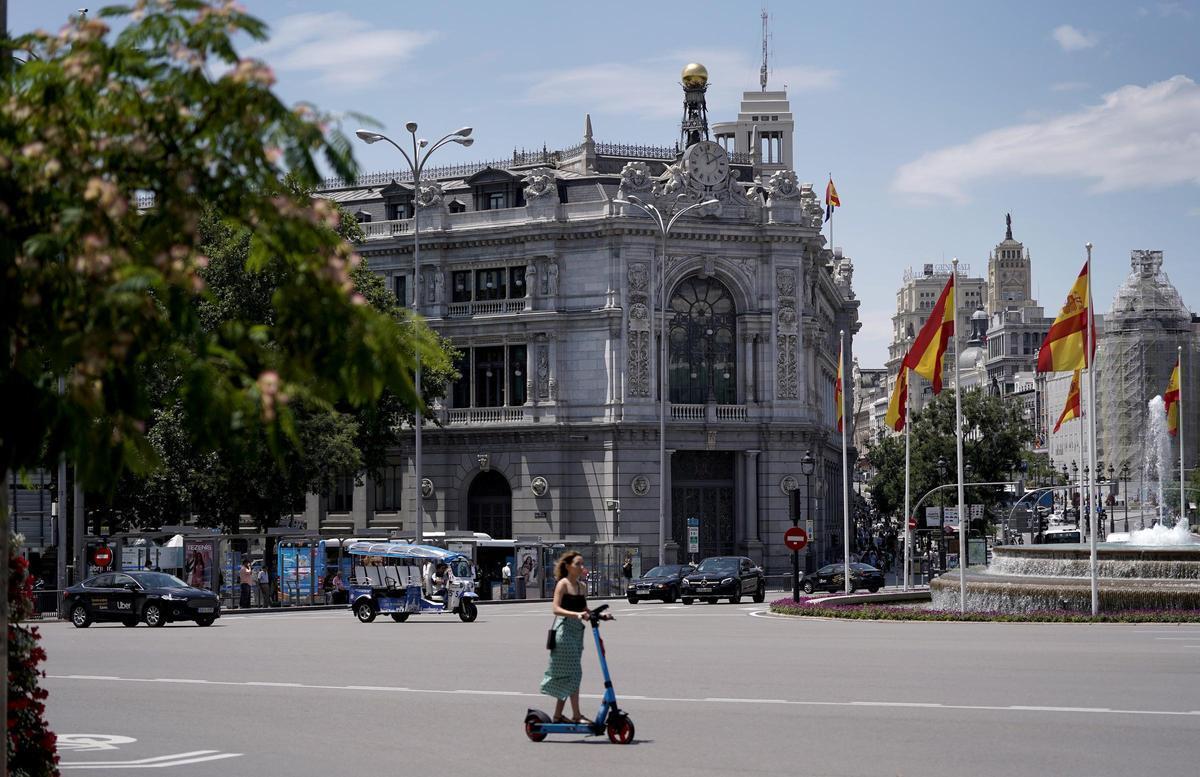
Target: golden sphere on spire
x,y
695,74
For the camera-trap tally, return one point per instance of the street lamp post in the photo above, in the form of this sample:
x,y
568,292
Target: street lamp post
x,y
416,163
807,466
942,467
665,222
1125,491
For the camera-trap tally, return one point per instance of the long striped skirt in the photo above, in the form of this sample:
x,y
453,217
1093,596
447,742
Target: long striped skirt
x,y
565,671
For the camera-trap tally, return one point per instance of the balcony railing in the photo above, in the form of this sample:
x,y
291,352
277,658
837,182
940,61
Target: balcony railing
x,y
484,308
380,230
709,413
487,415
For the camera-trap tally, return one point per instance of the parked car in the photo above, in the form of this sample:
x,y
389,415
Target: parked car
x,y
718,577
132,597
661,582
832,577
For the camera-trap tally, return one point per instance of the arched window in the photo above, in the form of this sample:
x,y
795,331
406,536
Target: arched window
x,y
702,331
489,505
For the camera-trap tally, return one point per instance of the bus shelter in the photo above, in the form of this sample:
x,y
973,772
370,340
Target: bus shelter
x,y
616,562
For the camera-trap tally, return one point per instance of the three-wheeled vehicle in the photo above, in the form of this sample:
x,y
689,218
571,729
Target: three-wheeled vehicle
x,y
391,578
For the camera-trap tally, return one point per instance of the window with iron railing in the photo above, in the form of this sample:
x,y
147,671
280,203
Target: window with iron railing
x,y
492,283
491,376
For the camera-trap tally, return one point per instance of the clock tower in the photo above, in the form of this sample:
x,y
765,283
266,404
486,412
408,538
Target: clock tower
x,y
694,127
1009,273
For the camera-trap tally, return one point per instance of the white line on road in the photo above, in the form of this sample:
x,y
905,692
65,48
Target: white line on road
x,y
682,700
157,762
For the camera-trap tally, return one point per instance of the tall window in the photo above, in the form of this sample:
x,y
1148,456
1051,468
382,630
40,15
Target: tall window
x,y
489,376
400,289
387,489
492,376
701,338
340,498
491,284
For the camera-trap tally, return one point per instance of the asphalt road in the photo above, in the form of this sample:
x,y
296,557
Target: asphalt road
x,y
713,689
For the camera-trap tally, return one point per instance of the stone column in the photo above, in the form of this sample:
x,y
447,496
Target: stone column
x,y
359,507
530,385
750,543
314,511
672,547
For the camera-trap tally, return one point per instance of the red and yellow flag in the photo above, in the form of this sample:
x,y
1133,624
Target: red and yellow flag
x,y
897,412
1171,400
925,355
831,199
1071,342
1073,408
837,388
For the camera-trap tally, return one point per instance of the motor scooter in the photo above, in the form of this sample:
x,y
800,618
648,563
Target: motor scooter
x,y
610,718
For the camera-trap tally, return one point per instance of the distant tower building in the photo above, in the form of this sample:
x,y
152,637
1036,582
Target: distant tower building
x,y
914,301
764,125
1009,273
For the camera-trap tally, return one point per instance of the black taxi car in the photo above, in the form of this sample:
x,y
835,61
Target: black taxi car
x,y
131,597
661,582
721,577
832,578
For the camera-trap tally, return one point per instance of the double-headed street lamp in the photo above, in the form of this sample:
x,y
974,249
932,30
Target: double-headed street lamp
x,y
421,149
665,222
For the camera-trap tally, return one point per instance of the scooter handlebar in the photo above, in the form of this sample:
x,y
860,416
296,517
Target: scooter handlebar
x,y
598,614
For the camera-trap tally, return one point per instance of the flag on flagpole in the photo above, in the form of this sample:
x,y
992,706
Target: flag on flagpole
x,y
925,355
1071,342
1072,409
897,412
831,199
1171,400
837,389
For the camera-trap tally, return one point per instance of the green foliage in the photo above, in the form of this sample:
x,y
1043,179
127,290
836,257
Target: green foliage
x,y
995,440
112,153
30,743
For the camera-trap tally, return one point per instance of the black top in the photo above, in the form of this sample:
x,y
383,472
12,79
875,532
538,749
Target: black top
x,y
574,602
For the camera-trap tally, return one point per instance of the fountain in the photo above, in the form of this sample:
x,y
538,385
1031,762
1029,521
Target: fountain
x,y
1156,568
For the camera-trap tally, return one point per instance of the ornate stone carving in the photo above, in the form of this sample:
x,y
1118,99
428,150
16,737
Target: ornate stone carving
x,y
551,280
540,182
673,181
635,179
539,486
785,281
429,194
640,485
543,372
639,277
639,363
844,276
786,367
437,280
639,312
782,186
531,275
787,315
813,212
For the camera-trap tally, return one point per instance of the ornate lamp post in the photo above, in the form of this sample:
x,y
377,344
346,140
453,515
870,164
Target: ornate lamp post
x,y
421,149
1125,491
664,221
808,465
942,468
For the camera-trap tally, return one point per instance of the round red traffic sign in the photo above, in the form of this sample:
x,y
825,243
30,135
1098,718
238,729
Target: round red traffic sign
x,y
102,556
912,523
795,538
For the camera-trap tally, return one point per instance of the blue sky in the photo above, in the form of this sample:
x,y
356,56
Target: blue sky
x,y
1082,119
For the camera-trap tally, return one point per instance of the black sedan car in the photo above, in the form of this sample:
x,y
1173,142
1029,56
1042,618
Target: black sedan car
x,y
662,582
832,578
720,577
131,597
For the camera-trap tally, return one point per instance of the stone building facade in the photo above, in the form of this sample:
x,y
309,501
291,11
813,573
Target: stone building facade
x,y
549,285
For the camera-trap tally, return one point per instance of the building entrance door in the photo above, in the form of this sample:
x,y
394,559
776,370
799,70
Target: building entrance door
x,y
702,487
489,505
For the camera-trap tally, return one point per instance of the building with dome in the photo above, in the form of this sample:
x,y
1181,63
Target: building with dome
x,y
545,275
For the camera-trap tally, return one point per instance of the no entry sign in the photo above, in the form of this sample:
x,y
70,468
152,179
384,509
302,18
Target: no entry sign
x,y
795,538
102,556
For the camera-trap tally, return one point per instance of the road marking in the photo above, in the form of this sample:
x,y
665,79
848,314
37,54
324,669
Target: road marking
x,y
667,699
157,762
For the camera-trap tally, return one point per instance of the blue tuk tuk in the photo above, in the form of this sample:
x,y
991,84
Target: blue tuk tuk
x,y
397,579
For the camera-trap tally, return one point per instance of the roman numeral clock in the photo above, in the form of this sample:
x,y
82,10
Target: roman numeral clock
x,y
707,164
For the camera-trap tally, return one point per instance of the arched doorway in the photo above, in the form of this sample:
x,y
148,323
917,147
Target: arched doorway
x,y
702,337
489,505
702,487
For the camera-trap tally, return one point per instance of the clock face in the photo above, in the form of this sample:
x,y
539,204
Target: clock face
x,y
707,163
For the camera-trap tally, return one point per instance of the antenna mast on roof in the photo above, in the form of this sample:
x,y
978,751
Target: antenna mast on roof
x,y
762,72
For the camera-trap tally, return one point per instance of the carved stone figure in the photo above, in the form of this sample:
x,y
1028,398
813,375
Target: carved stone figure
x,y
786,367
552,278
782,186
639,276
429,194
530,278
787,315
635,178
540,182
439,280
786,282
672,181
543,373
638,311
639,364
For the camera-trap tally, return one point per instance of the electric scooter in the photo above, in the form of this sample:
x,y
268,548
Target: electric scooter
x,y
610,718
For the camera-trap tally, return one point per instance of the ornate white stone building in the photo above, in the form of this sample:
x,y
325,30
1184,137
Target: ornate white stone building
x,y
550,288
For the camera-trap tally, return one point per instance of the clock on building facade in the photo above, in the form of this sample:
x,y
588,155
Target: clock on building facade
x,y
707,163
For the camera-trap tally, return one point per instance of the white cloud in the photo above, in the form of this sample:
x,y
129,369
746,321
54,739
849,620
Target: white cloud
x,y
341,50
1074,39
1138,137
650,88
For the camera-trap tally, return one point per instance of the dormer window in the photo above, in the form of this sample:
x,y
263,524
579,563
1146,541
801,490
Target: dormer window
x,y
496,201
456,207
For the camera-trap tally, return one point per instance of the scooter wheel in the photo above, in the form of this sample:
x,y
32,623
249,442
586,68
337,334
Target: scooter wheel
x,y
467,611
620,730
533,722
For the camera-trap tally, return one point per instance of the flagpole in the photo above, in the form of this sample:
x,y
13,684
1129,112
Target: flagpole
x,y
832,246
907,497
845,460
958,436
1179,415
1089,355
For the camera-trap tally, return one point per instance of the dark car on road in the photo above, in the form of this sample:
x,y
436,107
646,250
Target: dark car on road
x,y
131,597
832,577
720,577
661,582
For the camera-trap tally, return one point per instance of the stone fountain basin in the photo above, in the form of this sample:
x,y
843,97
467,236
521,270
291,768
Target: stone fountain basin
x,y
1114,560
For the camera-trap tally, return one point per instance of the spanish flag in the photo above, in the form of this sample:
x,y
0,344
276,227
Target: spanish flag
x,y
897,412
1072,408
1171,400
831,199
837,388
925,355
1071,342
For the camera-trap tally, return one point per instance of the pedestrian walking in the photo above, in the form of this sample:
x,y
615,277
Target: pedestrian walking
x,y
264,586
570,610
246,578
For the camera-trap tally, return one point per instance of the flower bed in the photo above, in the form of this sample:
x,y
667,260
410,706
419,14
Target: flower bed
x,y
831,609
